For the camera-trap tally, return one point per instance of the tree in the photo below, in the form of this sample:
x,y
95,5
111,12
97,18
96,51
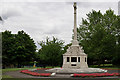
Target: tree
x,y
97,35
25,48
51,52
17,49
116,57
66,47
8,41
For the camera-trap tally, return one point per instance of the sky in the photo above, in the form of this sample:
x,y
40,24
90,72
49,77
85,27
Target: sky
x,y
43,18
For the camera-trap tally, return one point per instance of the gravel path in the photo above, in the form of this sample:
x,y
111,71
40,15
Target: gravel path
x,y
17,74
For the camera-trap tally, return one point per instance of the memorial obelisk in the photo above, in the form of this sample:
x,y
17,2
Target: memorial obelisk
x,y
75,60
75,57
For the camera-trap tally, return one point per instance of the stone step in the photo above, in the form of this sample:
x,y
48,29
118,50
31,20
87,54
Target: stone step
x,y
63,75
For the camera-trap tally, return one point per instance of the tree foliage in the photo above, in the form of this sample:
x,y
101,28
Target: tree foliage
x,y
17,49
7,48
51,52
97,35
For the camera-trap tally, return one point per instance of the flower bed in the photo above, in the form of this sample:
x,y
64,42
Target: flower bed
x,y
95,74
35,73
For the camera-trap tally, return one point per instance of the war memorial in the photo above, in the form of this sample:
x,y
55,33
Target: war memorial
x,y
75,60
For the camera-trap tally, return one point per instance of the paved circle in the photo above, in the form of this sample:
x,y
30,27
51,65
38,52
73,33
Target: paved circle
x,y
17,74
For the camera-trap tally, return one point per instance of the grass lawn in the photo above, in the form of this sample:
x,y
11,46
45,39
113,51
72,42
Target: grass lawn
x,y
6,76
108,66
16,69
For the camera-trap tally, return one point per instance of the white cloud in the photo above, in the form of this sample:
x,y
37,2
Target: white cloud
x,y
10,14
47,19
60,0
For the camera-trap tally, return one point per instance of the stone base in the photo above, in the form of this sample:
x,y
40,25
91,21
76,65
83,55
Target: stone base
x,y
75,58
85,70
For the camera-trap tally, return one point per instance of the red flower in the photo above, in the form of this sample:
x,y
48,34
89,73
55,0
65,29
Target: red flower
x,y
96,74
35,73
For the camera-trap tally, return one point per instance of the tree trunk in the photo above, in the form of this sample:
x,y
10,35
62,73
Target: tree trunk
x,y
99,62
103,63
19,65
